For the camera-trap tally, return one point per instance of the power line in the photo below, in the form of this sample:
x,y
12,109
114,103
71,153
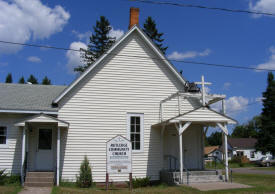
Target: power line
x,y
204,7
163,59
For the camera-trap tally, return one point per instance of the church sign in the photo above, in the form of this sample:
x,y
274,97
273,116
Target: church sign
x,y
119,155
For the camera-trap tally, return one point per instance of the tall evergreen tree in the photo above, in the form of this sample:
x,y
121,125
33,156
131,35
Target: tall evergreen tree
x,y
21,80
266,136
149,27
9,78
100,42
32,79
46,81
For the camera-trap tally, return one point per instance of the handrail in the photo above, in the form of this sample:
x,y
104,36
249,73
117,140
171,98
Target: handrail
x,y
229,169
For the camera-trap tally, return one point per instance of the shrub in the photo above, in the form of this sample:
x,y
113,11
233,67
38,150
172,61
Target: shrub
x,y
141,182
3,176
84,179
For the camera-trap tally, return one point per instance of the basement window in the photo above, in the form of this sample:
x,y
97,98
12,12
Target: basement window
x,y
135,131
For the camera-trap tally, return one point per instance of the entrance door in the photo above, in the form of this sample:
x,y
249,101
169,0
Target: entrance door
x,y
44,154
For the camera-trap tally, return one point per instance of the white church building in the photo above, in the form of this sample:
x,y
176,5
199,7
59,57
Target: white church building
x,y
133,91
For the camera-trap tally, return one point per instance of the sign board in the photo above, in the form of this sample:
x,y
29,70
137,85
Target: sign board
x,y
119,155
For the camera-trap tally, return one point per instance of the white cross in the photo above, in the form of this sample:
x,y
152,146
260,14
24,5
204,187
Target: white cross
x,y
203,83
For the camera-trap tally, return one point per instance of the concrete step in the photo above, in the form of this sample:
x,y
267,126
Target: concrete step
x,y
39,179
210,172
40,174
38,184
203,178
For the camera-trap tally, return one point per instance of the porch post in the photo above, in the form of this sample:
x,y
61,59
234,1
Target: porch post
x,y
181,154
23,154
225,147
58,157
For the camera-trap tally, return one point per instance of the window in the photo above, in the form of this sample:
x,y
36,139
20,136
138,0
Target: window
x,y
45,139
135,131
252,154
3,135
239,153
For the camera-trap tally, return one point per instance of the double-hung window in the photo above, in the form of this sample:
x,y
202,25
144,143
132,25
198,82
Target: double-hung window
x,y
135,131
3,136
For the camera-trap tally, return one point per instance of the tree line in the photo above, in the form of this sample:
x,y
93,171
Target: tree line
x,y
261,127
31,79
100,41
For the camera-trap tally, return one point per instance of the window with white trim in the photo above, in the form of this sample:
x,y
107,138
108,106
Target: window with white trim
x,y
3,135
135,131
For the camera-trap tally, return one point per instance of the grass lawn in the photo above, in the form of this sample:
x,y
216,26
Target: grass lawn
x,y
260,183
10,189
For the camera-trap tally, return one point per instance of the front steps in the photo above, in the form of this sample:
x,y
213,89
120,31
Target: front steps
x,y
39,179
192,177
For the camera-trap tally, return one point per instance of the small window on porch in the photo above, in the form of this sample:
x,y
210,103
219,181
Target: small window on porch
x,y
3,135
135,131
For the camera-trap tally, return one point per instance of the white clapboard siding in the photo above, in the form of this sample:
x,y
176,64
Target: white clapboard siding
x,y
10,155
97,110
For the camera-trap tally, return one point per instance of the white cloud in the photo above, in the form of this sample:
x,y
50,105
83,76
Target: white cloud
x,y
226,85
234,105
83,36
207,89
74,57
270,64
34,59
21,20
188,55
262,6
116,33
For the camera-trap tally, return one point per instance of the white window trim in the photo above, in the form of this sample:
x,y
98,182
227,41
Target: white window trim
x,y
141,115
6,145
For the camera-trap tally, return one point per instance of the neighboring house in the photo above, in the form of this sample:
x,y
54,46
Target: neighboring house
x,y
212,152
245,147
133,91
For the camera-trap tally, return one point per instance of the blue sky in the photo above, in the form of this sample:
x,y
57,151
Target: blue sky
x,y
190,34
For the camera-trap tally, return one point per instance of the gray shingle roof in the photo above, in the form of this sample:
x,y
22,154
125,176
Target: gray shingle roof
x,y
244,143
28,97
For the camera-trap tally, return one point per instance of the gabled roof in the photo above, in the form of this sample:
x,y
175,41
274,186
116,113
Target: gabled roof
x,y
210,149
29,98
42,118
203,114
119,42
242,143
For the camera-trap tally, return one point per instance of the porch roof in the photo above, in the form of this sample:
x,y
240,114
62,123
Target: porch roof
x,y
200,115
42,118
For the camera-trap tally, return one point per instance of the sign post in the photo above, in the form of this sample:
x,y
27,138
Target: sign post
x,y
119,158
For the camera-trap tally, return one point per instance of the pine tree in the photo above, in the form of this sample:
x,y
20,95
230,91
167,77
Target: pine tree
x,y
9,78
149,27
266,135
32,79
85,175
100,42
21,80
46,81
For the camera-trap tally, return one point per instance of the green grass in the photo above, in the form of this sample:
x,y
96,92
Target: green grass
x,y
259,183
10,189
